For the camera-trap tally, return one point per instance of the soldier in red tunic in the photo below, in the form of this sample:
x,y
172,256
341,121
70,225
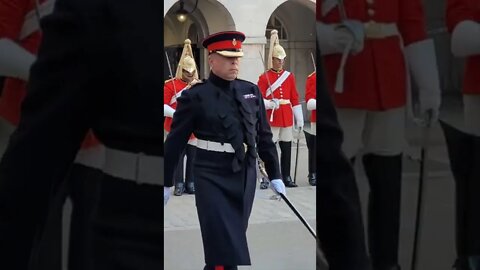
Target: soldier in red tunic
x,y
281,102
369,47
463,19
185,76
311,99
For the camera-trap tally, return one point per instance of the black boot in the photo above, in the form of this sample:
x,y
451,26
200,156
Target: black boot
x,y
179,189
312,175
384,175
264,184
178,175
312,179
285,158
189,178
463,152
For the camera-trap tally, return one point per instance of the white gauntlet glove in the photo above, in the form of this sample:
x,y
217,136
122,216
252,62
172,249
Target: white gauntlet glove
x,y
168,111
278,186
298,113
271,104
312,104
422,62
466,39
335,38
15,61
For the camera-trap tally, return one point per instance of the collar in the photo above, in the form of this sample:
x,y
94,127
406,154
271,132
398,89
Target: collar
x,y
219,81
277,71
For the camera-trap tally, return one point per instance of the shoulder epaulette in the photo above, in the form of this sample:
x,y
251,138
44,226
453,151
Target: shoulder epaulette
x,y
311,74
169,80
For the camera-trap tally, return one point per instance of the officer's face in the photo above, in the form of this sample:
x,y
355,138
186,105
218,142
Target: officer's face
x,y
224,67
277,64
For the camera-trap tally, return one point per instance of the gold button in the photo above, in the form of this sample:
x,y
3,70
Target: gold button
x,y
371,12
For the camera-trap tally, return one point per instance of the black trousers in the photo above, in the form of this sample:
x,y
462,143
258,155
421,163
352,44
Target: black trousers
x,y
82,186
128,227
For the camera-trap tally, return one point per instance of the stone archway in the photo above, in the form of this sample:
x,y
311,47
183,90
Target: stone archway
x,y
208,17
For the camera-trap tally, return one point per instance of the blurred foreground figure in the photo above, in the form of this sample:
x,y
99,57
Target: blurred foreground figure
x,y
97,68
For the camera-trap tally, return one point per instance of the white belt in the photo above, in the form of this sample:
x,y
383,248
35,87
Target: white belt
x,y
215,146
282,101
374,30
137,167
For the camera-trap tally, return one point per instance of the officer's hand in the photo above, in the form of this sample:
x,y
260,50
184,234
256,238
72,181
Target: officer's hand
x,y
166,194
278,186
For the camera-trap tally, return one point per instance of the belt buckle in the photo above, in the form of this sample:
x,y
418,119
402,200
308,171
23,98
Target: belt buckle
x,y
373,30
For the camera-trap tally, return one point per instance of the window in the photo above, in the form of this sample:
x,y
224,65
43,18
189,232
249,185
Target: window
x,y
275,23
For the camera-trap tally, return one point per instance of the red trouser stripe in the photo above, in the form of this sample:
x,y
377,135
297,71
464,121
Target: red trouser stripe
x,y
219,267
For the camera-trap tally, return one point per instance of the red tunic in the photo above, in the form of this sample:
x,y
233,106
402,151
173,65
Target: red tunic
x,y
458,11
12,16
311,92
283,116
169,98
375,78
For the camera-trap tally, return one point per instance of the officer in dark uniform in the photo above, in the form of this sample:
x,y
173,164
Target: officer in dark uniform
x,y
227,115
97,68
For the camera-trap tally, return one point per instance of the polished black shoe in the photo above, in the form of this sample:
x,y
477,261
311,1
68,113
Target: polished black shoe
x,y
190,189
288,182
179,189
312,179
264,183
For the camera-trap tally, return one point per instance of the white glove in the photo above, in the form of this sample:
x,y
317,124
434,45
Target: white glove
x,y
278,186
422,62
276,103
168,111
166,194
271,104
15,61
268,104
466,39
334,38
298,113
312,104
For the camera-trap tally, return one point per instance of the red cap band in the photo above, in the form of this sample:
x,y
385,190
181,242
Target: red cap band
x,y
225,45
